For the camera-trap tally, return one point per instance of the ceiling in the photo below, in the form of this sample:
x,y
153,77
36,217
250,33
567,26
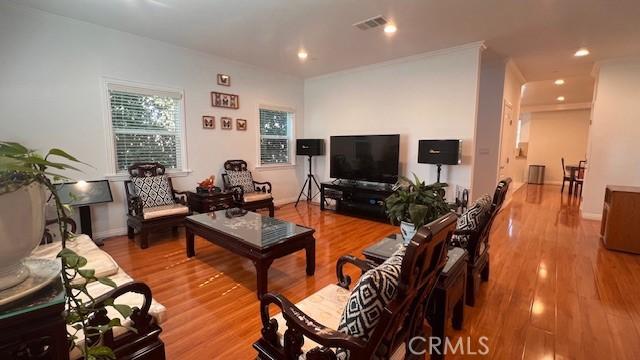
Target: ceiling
x,y
540,36
575,90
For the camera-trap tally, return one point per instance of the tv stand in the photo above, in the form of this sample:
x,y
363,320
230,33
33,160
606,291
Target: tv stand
x,y
356,199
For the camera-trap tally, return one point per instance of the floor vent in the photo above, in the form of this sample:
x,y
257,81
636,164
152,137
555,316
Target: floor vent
x,y
371,23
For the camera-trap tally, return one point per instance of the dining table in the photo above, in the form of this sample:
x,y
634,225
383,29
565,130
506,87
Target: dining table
x,y
573,174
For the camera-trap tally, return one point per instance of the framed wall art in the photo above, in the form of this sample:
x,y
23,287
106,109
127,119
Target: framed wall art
x,y
226,123
223,100
224,80
208,122
241,124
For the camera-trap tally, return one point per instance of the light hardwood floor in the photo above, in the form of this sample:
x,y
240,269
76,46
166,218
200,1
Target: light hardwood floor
x,y
554,291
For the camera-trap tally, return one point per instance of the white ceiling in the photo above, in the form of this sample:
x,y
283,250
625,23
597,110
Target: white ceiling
x,y
539,35
575,90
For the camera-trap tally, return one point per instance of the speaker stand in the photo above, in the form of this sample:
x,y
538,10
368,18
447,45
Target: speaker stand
x,y
308,184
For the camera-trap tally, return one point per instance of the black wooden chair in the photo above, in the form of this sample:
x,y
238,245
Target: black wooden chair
x,y
248,194
478,244
566,178
309,327
146,216
579,180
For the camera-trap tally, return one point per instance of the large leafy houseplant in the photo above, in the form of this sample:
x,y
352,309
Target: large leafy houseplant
x,y
416,202
19,167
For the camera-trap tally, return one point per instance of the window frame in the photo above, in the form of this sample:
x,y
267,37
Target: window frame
x,y
113,174
291,138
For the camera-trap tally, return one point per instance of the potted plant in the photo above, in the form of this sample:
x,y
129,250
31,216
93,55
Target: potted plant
x,y
414,204
25,178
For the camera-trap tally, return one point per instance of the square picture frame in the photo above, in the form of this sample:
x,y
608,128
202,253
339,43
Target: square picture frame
x,y
241,124
223,100
226,123
208,122
224,80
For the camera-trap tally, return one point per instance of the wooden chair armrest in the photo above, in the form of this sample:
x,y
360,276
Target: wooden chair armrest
x,y
301,325
465,232
180,196
70,223
345,280
262,186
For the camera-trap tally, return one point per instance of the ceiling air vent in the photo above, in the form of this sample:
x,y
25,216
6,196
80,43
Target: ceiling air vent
x,y
371,23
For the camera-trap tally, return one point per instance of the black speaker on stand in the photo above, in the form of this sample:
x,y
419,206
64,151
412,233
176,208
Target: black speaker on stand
x,y
310,148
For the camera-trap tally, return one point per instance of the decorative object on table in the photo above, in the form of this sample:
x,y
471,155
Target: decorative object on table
x,y
249,194
235,212
241,124
226,123
208,122
152,201
440,152
310,148
82,194
41,273
414,204
23,173
224,100
207,184
224,80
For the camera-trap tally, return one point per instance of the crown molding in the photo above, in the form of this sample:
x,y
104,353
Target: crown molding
x,y
555,107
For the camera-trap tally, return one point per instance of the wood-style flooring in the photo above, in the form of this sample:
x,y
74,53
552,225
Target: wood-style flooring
x,y
554,291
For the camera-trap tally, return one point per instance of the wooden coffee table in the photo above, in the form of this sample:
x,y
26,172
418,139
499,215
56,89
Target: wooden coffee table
x,y
257,237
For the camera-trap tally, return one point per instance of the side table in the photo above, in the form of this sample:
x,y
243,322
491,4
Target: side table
x,y
449,295
210,201
34,327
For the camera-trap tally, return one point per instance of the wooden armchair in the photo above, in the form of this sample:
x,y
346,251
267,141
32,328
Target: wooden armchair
x,y
309,327
248,194
152,202
478,244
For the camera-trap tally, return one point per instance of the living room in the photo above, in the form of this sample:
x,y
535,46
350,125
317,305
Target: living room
x,y
198,86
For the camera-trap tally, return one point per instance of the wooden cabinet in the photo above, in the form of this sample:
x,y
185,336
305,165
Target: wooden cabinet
x,y
207,202
620,229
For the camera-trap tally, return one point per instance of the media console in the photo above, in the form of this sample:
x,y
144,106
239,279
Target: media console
x,y
356,199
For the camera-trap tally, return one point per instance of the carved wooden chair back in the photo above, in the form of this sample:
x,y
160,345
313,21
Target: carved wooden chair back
x,y
144,169
235,165
423,261
498,199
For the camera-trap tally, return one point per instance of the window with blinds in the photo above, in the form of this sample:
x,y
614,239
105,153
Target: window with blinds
x,y
275,136
147,126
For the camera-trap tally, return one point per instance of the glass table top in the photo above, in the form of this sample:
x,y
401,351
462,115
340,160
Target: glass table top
x,y
255,230
51,295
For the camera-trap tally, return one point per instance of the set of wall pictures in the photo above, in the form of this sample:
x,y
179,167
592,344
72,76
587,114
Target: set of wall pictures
x,y
224,100
226,123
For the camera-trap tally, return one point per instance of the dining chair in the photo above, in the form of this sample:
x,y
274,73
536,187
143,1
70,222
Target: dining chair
x,y
565,178
579,180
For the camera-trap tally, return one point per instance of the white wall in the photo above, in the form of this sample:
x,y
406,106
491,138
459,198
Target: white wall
x,y
613,156
51,69
429,96
487,132
513,82
557,134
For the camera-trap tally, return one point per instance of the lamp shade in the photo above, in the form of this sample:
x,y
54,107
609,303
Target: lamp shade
x,y
439,152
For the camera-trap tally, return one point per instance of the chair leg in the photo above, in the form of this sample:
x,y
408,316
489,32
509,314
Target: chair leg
x,y
271,210
130,232
471,289
485,272
562,188
144,239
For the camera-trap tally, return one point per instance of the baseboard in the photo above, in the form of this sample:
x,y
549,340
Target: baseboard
x,y
109,233
281,202
591,216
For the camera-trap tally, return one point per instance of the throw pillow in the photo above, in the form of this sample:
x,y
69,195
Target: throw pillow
x,y
241,178
375,290
153,190
474,218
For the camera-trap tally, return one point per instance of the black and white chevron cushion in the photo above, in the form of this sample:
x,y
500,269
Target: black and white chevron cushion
x,y
241,178
375,290
153,190
473,219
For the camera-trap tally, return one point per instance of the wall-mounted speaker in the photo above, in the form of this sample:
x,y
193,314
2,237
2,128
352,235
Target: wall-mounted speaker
x,y
310,147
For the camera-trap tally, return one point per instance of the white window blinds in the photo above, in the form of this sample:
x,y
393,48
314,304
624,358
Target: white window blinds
x,y
147,126
275,136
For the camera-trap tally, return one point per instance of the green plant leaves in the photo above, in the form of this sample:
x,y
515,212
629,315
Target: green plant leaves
x,y
417,202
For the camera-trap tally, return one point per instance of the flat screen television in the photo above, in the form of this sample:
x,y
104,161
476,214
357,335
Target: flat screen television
x,y
371,158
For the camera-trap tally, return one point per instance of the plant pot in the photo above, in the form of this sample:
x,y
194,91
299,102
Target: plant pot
x,y
407,230
21,229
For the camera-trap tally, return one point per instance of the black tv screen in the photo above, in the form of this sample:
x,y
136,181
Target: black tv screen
x,y
365,158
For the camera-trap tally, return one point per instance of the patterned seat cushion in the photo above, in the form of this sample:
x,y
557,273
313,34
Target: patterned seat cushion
x,y
474,219
373,292
241,178
153,190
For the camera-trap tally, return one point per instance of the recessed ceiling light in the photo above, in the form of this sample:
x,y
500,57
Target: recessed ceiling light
x,y
390,28
559,82
581,52
302,55
560,98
